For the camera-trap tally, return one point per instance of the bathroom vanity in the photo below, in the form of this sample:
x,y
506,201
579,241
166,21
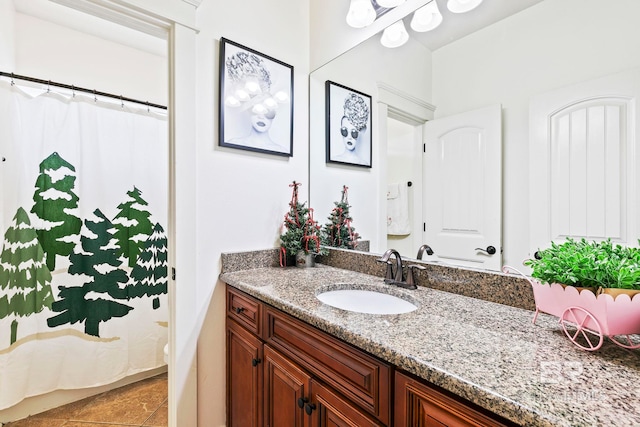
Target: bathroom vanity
x,y
293,360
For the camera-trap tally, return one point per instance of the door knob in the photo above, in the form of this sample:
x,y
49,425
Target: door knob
x,y
490,250
255,362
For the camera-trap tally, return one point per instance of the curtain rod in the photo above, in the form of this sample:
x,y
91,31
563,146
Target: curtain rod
x,y
80,89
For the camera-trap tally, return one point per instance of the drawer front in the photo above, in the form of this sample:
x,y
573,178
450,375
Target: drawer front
x,y
245,310
360,377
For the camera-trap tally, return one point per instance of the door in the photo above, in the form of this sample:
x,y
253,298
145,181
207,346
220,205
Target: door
x,y
244,377
462,188
328,409
583,161
286,391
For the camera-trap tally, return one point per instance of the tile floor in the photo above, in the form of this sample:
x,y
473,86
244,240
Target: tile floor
x,y
143,403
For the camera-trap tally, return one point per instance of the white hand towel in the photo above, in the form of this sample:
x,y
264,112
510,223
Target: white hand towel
x,y
398,210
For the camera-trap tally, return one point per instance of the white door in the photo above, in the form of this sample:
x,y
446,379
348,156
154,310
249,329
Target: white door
x,y
462,183
583,161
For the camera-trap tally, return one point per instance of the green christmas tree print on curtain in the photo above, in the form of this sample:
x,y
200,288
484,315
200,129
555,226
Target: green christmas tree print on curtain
x,y
98,260
133,225
54,199
25,280
149,276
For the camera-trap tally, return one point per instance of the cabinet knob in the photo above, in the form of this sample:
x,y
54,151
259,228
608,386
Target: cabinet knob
x,y
309,407
302,401
255,362
239,310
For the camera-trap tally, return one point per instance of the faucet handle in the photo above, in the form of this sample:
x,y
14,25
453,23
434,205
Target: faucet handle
x,y
411,280
389,273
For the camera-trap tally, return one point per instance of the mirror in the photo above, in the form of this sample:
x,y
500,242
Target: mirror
x,y
548,45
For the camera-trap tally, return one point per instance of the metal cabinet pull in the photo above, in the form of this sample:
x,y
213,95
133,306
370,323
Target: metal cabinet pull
x,y
255,362
239,310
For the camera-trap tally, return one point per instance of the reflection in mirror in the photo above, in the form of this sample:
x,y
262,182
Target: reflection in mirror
x,y
549,45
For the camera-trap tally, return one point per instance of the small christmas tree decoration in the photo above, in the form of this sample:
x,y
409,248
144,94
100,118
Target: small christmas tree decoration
x,y
301,233
338,232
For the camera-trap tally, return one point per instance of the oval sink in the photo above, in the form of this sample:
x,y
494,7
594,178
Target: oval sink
x,y
362,301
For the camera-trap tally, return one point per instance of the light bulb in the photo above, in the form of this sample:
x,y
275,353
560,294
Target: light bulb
x,y
232,101
389,3
281,96
252,87
270,103
259,109
361,13
426,18
462,6
242,95
394,35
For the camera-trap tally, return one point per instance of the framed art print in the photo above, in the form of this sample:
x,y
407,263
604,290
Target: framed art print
x,y
348,119
256,101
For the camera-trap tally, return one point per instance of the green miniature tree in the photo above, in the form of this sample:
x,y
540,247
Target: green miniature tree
x,y
54,199
301,231
95,301
149,275
338,232
133,226
23,272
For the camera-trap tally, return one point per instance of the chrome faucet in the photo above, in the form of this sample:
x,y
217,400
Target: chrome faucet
x,y
423,249
393,275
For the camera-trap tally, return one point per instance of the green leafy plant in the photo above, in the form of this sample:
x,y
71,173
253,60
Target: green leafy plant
x,y
588,264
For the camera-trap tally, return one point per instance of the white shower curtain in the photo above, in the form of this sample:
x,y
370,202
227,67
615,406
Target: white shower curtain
x,y
83,256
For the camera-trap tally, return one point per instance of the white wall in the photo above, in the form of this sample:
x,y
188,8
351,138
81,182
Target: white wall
x,y
52,52
550,45
242,196
361,70
7,48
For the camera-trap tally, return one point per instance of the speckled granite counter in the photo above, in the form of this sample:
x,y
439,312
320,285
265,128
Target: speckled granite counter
x,y
488,353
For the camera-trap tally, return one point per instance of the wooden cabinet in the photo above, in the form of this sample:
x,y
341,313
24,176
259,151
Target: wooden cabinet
x,y
282,372
419,405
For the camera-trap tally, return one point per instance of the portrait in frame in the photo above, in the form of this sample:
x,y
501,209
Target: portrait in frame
x,y
348,125
256,101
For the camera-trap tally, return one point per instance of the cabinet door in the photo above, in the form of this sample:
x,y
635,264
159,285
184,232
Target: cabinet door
x,y
244,377
331,410
286,391
418,405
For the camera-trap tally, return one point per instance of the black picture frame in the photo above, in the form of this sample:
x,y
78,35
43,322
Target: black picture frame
x,y
348,111
256,101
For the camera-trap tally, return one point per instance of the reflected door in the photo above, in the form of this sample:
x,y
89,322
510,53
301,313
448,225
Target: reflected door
x,y
583,161
462,197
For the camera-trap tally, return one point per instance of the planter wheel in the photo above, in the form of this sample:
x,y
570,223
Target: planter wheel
x,y
627,342
573,320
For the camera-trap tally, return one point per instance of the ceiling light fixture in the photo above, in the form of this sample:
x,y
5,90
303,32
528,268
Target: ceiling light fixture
x,y
389,3
426,18
361,13
462,6
394,35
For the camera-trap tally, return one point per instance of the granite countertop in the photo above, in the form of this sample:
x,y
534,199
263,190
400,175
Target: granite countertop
x,y
488,353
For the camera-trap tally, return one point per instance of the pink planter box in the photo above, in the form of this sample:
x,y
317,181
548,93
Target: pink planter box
x,y
585,317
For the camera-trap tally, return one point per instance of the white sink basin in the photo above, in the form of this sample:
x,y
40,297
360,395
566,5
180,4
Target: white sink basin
x,y
362,301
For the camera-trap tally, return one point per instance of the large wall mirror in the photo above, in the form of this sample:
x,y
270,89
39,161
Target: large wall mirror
x,y
544,46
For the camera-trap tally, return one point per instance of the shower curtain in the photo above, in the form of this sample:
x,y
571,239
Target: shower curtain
x,y
83,255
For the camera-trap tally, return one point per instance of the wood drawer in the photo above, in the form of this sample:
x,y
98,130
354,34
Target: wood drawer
x,y
245,310
360,377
